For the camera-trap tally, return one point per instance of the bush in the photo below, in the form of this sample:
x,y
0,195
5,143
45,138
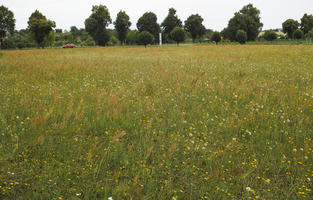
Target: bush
x,y
113,41
89,42
241,36
216,37
178,34
298,34
132,37
309,35
8,44
270,35
145,38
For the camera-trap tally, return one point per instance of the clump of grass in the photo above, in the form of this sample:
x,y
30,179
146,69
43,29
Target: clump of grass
x,y
205,122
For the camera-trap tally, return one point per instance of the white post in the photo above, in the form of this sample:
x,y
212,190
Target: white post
x,y
160,37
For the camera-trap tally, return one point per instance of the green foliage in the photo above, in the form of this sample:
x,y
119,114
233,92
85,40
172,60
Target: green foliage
x,y
50,39
247,19
122,25
306,23
289,27
19,39
194,26
170,22
145,38
309,35
8,44
58,30
113,41
298,34
96,24
270,35
89,42
216,37
75,32
241,36
132,37
7,23
178,34
40,27
148,22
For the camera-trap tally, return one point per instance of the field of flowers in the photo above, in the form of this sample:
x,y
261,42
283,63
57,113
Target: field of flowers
x,y
198,122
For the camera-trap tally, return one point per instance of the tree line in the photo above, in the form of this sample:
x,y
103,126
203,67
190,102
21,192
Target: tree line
x,y
244,26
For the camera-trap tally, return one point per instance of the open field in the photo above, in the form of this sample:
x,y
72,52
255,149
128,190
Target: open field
x,y
198,122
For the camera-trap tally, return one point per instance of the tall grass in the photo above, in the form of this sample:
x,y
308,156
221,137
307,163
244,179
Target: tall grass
x,y
204,122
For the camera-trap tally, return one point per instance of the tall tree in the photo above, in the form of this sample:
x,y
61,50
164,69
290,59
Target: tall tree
x,y
170,22
122,25
306,23
96,24
7,22
148,22
40,27
248,20
290,26
194,26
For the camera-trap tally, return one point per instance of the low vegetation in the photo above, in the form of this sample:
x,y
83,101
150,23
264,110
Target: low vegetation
x,y
199,122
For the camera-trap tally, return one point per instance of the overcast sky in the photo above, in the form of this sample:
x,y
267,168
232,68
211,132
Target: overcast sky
x,y
216,13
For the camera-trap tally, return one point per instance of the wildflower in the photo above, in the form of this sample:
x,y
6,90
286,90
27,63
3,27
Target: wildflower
x,y
110,198
248,189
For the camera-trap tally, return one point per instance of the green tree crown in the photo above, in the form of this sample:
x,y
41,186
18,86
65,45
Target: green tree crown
x,y
247,19
170,22
241,36
7,22
122,25
289,26
298,34
97,23
145,38
194,26
306,23
178,34
270,35
148,22
40,27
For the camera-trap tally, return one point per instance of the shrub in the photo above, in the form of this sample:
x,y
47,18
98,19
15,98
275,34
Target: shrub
x,y
145,38
113,41
178,35
270,35
241,36
216,37
132,37
298,34
309,35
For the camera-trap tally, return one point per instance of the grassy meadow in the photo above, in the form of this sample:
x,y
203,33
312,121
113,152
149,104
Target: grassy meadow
x,y
176,123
